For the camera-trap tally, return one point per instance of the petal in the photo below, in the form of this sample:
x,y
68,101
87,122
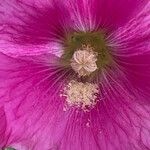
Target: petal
x,y
30,88
120,120
127,111
103,14
13,49
124,111
130,47
36,118
3,126
31,27
134,37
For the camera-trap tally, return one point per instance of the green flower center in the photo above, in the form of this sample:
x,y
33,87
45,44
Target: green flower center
x,y
96,40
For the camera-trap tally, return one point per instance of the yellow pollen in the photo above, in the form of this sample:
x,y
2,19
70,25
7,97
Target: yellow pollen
x,y
80,94
84,60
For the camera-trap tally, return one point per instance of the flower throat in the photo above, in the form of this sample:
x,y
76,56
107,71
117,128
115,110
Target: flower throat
x,y
86,53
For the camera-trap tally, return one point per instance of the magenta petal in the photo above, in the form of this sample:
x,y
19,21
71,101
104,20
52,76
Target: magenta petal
x,y
36,119
103,14
133,38
30,88
120,120
130,47
3,126
20,50
33,27
127,111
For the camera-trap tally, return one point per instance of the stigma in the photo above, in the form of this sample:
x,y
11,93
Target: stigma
x,y
84,60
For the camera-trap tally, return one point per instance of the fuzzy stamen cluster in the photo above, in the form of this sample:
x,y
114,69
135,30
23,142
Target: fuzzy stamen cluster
x,y
81,94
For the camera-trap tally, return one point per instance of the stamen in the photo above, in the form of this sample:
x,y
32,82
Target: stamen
x,y
81,94
84,60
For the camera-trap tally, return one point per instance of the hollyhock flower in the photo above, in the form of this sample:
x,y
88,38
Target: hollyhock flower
x,y
75,74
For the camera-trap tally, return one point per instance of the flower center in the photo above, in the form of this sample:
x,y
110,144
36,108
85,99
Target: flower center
x,y
87,54
84,60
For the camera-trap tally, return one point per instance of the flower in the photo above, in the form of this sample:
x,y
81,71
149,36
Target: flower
x,y
74,74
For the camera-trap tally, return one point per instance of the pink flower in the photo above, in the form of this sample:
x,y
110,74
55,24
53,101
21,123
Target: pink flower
x,y
74,74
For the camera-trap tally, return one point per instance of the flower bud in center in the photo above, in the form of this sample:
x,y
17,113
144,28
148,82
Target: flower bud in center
x,y
84,61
